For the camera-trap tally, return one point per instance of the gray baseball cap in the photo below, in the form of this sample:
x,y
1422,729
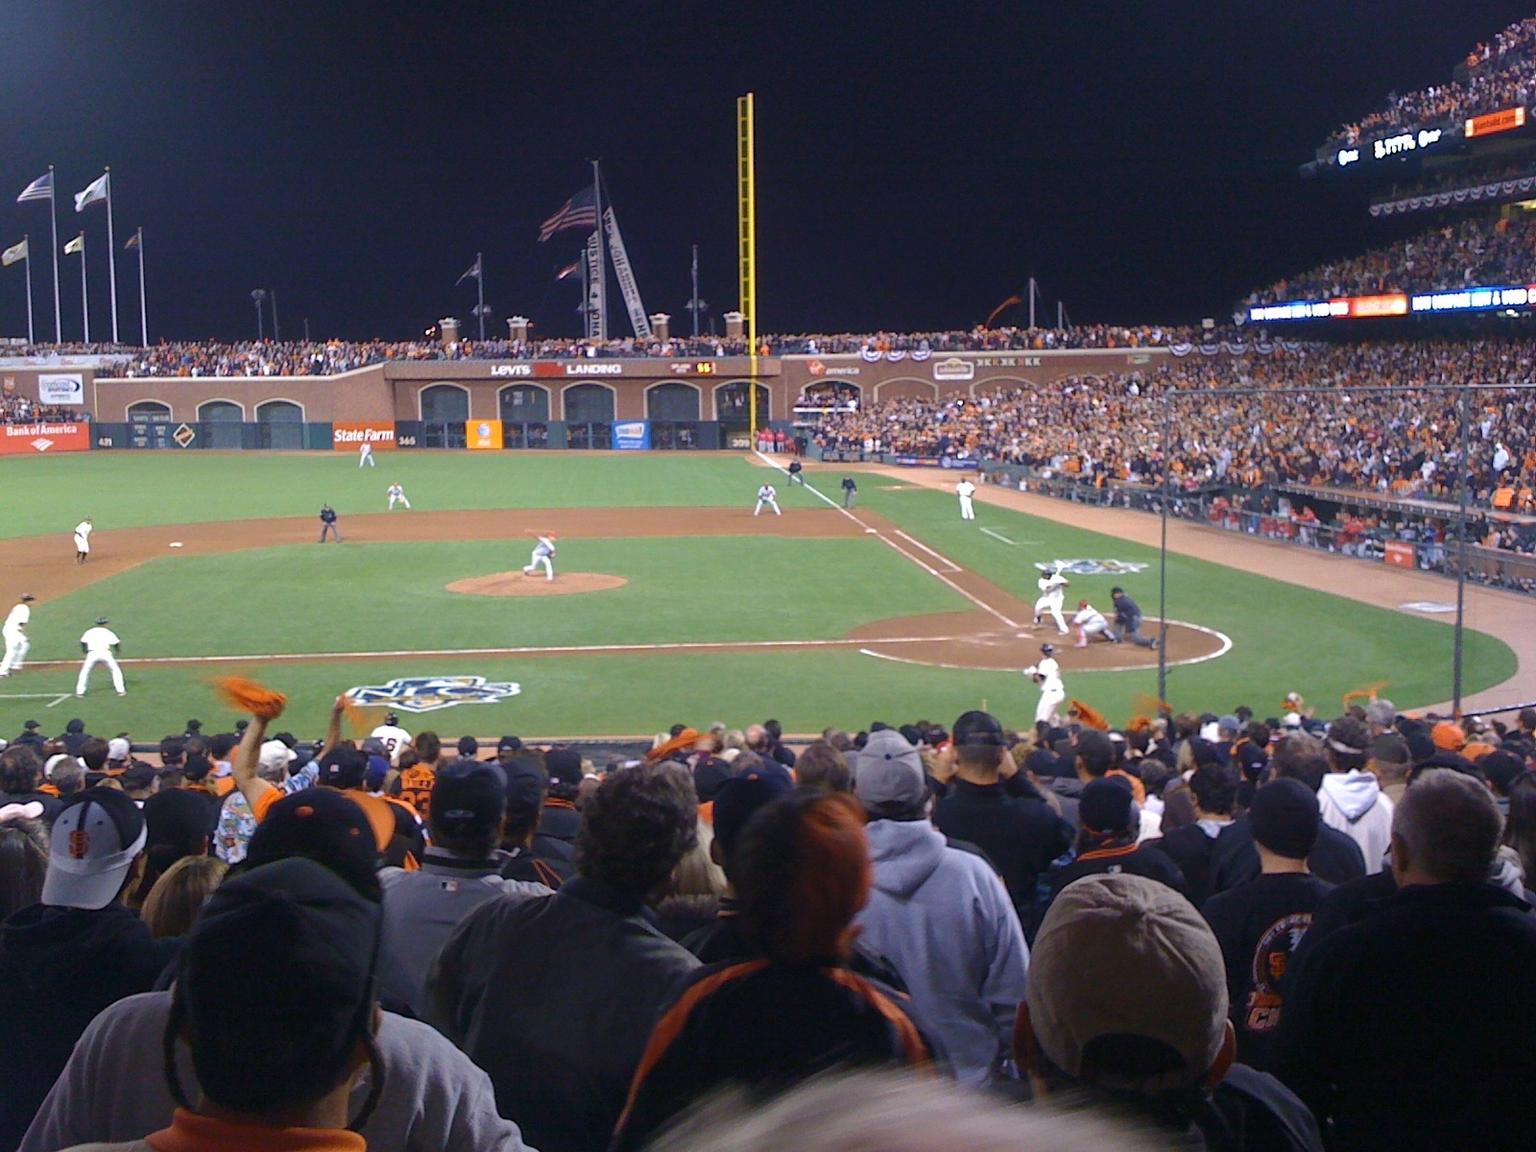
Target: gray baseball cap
x,y
889,771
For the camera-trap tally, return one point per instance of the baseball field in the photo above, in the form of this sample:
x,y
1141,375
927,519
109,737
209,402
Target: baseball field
x,y
671,603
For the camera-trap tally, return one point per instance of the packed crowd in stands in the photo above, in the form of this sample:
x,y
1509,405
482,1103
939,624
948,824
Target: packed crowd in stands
x,y
1110,428
1240,931
1480,250
16,409
1499,74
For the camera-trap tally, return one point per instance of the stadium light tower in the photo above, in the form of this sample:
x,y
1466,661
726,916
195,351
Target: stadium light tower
x,y
258,297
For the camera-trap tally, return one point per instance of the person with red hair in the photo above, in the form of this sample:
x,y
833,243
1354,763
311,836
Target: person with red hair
x,y
802,872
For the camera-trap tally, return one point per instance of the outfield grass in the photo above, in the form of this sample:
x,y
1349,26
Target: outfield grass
x,y
391,597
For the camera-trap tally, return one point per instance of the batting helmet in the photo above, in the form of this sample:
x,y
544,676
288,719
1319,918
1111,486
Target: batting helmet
x,y
1048,649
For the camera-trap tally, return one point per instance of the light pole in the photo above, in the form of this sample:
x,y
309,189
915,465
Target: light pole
x,y
258,296
277,334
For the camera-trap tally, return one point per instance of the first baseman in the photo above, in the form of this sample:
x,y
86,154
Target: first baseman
x,y
1051,583
83,540
397,495
543,553
97,643
1047,674
15,634
767,495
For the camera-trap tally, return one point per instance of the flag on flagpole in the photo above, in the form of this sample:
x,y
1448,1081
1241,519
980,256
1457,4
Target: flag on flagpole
x,y
15,254
134,241
472,274
39,189
569,270
580,211
75,245
98,189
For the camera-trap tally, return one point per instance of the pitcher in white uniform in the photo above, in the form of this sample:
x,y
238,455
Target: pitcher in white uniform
x,y
15,634
1047,674
97,644
83,540
543,553
1051,585
966,490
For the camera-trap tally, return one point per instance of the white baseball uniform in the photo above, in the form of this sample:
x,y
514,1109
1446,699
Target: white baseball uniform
x,y
1090,622
1051,594
965,490
83,537
1052,690
16,643
767,495
543,552
394,738
365,455
99,642
397,495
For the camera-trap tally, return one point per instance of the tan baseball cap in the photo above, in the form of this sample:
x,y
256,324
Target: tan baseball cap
x,y
1125,956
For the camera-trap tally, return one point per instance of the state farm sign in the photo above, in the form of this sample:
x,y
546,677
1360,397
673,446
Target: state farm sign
x,y
35,439
345,437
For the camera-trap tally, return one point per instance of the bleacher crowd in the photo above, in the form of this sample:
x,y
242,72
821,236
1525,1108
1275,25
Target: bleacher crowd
x,y
17,409
1198,931
1497,74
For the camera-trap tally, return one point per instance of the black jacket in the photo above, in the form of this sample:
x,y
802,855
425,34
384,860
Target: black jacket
x,y
1335,857
1133,859
555,998
1193,851
1020,836
59,967
1412,1028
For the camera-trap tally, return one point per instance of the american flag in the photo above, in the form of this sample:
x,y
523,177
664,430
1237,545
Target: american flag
x,y
580,211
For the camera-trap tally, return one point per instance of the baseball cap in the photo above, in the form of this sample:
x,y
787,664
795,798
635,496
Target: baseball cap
x,y
563,765
31,726
328,828
709,776
978,730
343,767
1390,748
1448,737
741,796
526,784
295,1041
509,744
468,797
138,775
75,726
888,772
468,746
27,597
1125,956
1285,817
177,823
1107,805
1228,723
275,755
96,838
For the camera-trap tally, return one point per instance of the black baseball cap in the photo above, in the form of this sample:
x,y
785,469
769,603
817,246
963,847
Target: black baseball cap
x,y
323,826
741,796
509,744
1108,806
527,784
295,1041
468,797
563,765
179,823
469,746
1285,818
344,766
978,730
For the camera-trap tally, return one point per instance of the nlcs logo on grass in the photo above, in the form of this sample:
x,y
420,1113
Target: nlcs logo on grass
x,y
1094,567
430,693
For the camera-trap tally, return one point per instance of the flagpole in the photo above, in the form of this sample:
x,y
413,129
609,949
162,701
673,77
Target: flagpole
x,y
53,217
602,267
85,304
143,308
27,240
111,255
480,292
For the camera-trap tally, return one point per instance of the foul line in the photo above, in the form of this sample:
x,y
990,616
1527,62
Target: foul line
x,y
527,650
878,535
939,556
997,536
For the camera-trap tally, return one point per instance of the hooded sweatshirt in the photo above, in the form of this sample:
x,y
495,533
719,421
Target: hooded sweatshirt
x,y
58,968
1353,803
943,919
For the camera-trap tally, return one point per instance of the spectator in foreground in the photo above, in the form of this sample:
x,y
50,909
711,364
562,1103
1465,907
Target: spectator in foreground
x,y
1192,847
561,1035
1127,1003
65,959
526,857
1411,1028
794,1010
940,915
177,899
1351,797
23,856
1260,924
1108,842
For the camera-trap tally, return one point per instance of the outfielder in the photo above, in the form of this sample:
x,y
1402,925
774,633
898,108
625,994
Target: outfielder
x,y
365,455
83,540
97,644
767,495
397,495
1047,674
965,490
1090,622
1051,583
543,553
15,634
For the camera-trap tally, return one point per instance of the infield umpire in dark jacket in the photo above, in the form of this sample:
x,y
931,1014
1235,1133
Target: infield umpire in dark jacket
x,y
1128,621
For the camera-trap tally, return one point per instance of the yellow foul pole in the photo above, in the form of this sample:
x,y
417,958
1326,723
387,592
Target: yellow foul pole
x,y
746,242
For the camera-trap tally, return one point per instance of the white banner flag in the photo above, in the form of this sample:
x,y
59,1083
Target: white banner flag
x,y
14,254
98,189
594,309
638,320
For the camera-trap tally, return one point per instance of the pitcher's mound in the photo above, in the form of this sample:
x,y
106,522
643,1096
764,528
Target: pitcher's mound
x,y
521,584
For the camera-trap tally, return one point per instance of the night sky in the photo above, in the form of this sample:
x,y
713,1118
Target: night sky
x,y
1139,158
